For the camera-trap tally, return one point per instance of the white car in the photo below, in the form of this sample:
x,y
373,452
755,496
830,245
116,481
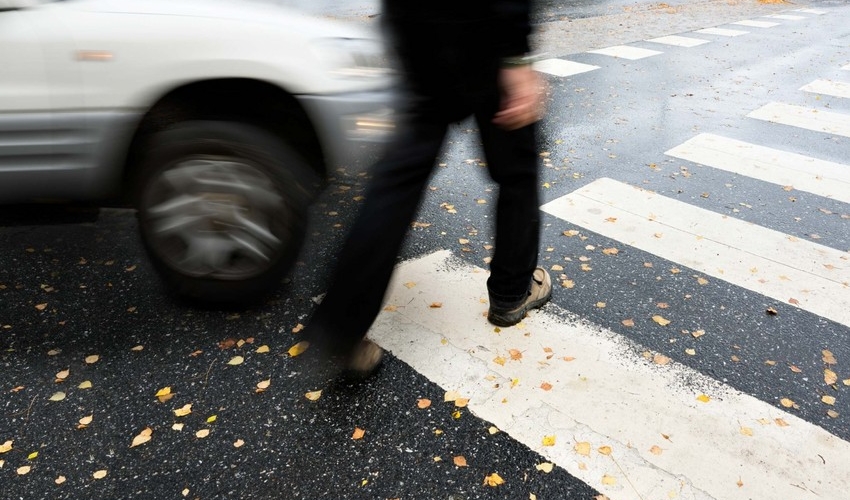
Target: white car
x,y
215,119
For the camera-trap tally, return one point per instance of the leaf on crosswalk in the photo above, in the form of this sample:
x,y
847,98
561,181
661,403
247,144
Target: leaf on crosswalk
x,y
545,467
516,354
582,448
608,480
788,403
660,359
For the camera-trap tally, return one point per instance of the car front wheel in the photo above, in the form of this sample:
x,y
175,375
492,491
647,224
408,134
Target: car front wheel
x,y
222,209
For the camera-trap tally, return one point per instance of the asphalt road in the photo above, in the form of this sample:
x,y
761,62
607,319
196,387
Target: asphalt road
x,y
89,337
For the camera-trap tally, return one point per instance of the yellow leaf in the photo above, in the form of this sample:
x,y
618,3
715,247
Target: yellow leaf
x,y
263,349
92,359
514,382
423,403
32,456
298,348
660,320
24,470
85,384
238,443
780,422
703,398
604,450
461,402
582,448
456,414
746,431
358,433
691,352
86,420
459,461
236,360
142,438
410,284
177,427
829,377
313,395
6,447
57,396
185,410
787,403
211,419
201,434
499,360
544,467
656,450
702,281
830,400
99,474
493,480
165,391
450,396
609,480
493,430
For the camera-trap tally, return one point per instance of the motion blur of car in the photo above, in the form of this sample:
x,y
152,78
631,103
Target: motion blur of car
x,y
217,120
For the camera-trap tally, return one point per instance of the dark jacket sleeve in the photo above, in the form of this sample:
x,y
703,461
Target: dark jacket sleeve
x,y
513,22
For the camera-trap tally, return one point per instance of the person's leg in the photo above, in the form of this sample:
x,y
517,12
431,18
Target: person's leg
x,y
512,162
368,256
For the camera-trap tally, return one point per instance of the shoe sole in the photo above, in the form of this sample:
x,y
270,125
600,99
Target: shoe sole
x,y
510,319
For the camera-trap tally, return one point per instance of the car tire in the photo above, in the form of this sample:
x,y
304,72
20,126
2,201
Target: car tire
x,y
222,209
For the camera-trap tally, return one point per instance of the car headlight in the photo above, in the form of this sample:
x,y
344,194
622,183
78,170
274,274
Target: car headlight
x,y
358,58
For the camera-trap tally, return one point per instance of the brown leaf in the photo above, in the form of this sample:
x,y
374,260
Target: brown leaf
x,y
423,403
546,386
830,377
628,322
516,355
660,320
459,461
358,433
828,357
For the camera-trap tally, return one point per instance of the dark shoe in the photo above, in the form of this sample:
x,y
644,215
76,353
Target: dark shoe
x,y
539,294
364,360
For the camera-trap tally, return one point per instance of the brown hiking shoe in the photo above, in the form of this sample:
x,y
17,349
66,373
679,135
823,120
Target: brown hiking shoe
x,y
538,294
365,359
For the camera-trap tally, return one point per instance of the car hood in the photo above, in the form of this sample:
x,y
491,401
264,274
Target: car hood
x,y
247,11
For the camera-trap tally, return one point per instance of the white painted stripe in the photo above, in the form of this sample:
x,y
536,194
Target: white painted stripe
x,y
820,177
787,17
812,11
765,261
626,52
721,32
757,24
828,87
679,41
818,120
609,395
846,67
561,67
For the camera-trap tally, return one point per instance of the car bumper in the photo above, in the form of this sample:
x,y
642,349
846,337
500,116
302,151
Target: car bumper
x,y
352,128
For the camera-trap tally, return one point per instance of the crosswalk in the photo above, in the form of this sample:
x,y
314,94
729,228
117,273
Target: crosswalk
x,y
583,396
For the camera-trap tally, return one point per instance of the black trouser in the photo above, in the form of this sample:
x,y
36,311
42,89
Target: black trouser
x,y
393,195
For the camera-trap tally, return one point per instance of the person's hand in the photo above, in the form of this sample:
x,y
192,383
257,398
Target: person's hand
x,y
522,97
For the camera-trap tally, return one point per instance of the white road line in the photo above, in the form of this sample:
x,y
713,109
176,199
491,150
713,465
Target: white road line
x,y
756,24
561,67
812,11
814,277
679,41
787,17
626,52
846,67
803,173
818,120
721,32
664,442
828,87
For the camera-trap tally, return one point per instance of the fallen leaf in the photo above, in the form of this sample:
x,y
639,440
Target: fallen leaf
x,y
6,447
702,281
298,348
178,426
99,474
568,284
628,322
610,251
660,320
795,369
450,396
704,398
211,419
545,467
459,461
92,359
238,443
201,434
697,334
297,328
184,410
142,438
549,440
358,433
61,376
656,450
787,403
165,391
423,403
59,480
313,395
41,307
780,422
32,456
236,360
691,352
461,402
830,400
263,349
85,421
516,355
263,385
746,431
829,377
137,348
828,357
436,305
57,396
771,311
605,450
546,386
23,470
660,359
832,413
608,480
582,448
493,480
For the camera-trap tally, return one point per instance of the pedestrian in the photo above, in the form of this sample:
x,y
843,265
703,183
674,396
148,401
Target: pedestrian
x,y
458,59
